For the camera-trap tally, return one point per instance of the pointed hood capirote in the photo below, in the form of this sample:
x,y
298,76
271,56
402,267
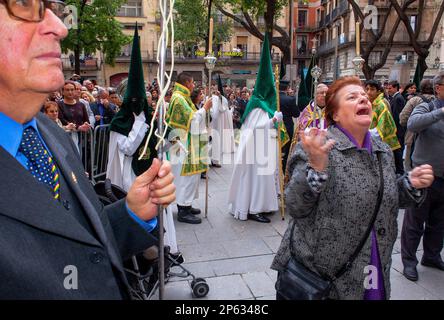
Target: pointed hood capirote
x,y
264,94
135,99
134,102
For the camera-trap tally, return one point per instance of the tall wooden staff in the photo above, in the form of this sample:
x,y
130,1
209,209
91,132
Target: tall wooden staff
x,y
210,63
281,174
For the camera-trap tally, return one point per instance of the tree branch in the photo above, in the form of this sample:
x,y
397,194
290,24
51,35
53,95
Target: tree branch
x,y
406,22
283,32
251,22
419,18
254,31
388,46
357,11
435,25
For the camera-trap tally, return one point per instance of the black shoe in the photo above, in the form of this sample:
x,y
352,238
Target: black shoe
x,y
194,211
189,218
411,273
259,218
215,165
439,264
203,175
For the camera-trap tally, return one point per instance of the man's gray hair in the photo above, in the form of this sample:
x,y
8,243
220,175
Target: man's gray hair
x,y
438,79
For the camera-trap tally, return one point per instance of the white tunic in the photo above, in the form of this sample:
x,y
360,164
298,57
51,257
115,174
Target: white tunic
x,y
187,187
253,186
120,172
221,129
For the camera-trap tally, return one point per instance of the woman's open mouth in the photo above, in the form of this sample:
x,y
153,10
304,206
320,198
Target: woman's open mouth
x,y
363,112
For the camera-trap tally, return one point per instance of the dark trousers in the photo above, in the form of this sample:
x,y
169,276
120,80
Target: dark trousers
x,y
430,213
399,163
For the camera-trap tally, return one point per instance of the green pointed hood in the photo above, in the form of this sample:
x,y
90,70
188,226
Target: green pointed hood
x,y
309,78
417,77
135,100
264,95
303,96
220,87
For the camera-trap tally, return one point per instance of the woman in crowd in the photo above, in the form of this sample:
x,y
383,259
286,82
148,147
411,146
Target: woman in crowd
x,y
85,95
409,91
333,193
51,109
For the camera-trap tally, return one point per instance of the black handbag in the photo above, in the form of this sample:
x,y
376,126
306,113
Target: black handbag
x,y
297,282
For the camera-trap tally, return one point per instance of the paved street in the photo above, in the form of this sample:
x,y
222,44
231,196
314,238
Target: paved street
x,y
235,256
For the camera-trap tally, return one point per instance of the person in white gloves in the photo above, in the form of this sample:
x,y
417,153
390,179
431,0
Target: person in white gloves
x,y
253,191
122,148
221,129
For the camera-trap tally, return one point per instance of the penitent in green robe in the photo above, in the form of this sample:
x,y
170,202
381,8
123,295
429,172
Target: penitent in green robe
x,y
179,115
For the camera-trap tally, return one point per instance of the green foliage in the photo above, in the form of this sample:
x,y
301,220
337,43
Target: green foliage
x,y
255,8
97,29
191,24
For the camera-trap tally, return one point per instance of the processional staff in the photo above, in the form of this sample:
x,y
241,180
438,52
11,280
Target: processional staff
x,y
281,174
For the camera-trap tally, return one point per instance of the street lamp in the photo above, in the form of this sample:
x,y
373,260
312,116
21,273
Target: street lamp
x,y
358,63
437,63
316,73
210,63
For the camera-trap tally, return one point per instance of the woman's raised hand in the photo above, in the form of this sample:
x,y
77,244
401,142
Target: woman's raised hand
x,y
317,146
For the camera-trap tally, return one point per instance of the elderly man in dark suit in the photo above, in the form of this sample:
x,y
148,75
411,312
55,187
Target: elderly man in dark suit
x,y
56,239
397,104
289,111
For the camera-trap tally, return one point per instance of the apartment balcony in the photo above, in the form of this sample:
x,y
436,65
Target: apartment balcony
x,y
337,12
305,28
126,56
327,18
90,64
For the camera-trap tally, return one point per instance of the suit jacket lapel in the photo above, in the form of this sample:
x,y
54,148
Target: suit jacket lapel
x,y
39,211
63,160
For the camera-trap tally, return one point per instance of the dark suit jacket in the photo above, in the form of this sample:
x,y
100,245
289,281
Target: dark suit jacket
x,y
397,104
289,111
39,238
108,113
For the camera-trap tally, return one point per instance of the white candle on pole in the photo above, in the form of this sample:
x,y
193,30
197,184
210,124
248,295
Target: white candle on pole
x,y
210,37
358,39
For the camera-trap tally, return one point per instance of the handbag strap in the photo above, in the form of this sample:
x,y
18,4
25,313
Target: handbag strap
x,y
358,249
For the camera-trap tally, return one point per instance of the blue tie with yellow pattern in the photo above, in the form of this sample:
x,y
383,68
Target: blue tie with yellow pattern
x,y
40,163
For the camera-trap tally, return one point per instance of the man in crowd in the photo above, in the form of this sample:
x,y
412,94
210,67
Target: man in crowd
x,y
115,99
189,155
77,94
426,95
89,86
289,111
397,103
427,221
383,126
104,110
58,241
313,115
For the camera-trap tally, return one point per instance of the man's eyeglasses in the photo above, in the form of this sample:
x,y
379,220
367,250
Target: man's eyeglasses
x,y
33,10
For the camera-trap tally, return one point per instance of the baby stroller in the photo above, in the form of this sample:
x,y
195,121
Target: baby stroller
x,y
143,269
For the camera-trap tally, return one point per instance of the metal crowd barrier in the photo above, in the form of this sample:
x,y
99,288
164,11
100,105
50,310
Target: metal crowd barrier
x,y
93,149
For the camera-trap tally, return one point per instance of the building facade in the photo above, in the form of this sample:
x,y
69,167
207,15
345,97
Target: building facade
x,y
237,62
337,40
306,18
